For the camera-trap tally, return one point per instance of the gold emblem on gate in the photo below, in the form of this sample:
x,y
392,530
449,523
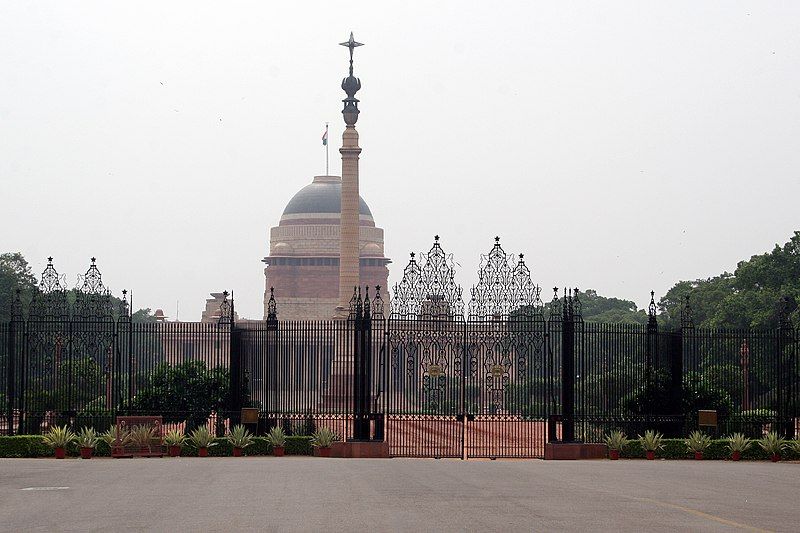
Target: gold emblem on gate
x,y
498,371
435,371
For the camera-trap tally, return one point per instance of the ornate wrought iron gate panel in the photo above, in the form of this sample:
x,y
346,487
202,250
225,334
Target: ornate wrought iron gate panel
x,y
425,387
506,386
467,386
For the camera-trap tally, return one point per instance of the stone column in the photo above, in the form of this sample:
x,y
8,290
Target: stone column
x,y
349,225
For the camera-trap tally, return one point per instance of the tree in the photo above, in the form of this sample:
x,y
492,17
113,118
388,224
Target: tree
x,y
188,391
657,398
72,386
750,297
596,308
15,273
143,315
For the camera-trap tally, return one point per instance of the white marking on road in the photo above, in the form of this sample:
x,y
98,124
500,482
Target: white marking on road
x,y
45,488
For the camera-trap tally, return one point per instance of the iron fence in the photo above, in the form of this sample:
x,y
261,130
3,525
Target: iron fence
x,y
479,385
498,378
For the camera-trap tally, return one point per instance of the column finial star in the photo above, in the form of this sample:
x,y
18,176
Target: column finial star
x,y
352,44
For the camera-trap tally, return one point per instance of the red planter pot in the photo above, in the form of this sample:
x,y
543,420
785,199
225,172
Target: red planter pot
x,y
278,451
202,452
174,451
86,453
775,457
698,456
324,452
650,455
735,456
237,452
613,454
61,453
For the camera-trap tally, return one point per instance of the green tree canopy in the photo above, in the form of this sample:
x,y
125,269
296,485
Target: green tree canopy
x,y
750,297
189,391
15,273
596,308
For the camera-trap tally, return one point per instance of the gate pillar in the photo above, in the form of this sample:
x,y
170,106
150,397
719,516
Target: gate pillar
x,y
568,370
362,326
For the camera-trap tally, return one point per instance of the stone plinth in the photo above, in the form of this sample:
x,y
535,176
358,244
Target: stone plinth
x,y
574,450
360,449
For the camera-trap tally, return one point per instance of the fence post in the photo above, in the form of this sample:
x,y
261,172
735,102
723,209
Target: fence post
x,y
358,307
676,370
366,367
686,352
226,318
651,351
376,411
124,317
568,370
270,363
553,409
10,379
785,379
16,321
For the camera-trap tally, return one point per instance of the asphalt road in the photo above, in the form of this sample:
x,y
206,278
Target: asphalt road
x,y
317,494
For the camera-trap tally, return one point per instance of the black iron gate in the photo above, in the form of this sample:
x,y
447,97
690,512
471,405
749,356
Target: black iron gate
x,y
461,388
474,386
497,379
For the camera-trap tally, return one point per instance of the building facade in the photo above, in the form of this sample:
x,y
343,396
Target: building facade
x,y
303,260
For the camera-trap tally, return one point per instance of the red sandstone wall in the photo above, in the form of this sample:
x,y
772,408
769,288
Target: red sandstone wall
x,y
320,281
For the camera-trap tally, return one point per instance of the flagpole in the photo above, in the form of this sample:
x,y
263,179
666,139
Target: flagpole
x,y
327,142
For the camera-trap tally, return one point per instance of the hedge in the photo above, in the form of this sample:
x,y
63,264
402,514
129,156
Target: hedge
x,y
34,446
295,445
676,449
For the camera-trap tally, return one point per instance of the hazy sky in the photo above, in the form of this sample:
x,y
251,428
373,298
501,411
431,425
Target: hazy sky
x,y
621,146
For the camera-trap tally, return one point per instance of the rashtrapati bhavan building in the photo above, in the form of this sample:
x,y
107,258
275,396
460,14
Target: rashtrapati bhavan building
x,y
303,260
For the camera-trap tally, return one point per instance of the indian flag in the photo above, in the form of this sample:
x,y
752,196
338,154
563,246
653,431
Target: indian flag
x,y
325,137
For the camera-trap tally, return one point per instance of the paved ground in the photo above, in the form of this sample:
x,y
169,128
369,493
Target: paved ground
x,y
316,494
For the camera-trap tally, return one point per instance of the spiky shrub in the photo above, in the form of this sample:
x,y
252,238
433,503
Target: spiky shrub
x,y
142,436
202,438
175,437
698,442
323,438
795,445
239,437
276,437
651,441
772,443
738,443
59,437
116,437
616,440
87,438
